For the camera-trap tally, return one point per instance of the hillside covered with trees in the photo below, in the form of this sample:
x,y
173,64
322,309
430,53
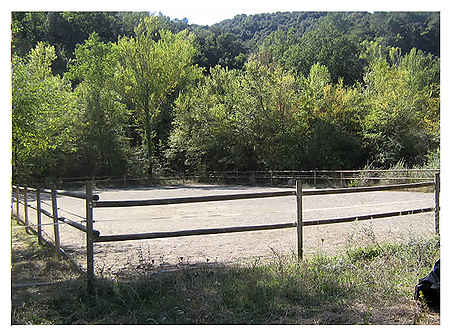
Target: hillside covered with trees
x,y
114,93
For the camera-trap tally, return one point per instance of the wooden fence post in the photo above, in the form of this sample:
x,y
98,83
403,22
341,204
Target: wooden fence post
x,y
55,221
12,200
25,207
299,194
17,204
89,237
437,189
39,218
252,177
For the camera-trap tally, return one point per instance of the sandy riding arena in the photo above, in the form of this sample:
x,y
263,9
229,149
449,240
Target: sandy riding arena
x,y
232,247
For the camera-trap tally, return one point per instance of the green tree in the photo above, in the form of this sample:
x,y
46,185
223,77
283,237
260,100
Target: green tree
x,y
64,30
28,28
151,66
215,48
333,114
202,137
402,96
239,119
406,30
279,47
269,121
325,44
42,116
102,118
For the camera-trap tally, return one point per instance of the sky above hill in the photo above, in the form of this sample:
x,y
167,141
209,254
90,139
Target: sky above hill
x,y
208,12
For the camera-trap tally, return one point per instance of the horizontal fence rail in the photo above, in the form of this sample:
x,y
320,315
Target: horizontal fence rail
x,y
348,171
366,217
199,199
70,194
78,226
366,189
59,192
327,177
229,197
236,229
198,232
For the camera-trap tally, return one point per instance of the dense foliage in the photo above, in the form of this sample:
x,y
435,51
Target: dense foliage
x,y
101,93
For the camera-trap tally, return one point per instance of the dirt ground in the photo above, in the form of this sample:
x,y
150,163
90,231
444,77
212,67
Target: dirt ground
x,y
115,257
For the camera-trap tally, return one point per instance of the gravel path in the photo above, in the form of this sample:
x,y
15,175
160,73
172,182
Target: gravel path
x,y
234,247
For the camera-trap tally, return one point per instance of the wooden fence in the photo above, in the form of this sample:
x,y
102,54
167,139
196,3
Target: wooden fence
x,y
341,178
92,201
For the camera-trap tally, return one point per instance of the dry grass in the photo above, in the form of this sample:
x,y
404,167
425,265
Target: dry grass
x,y
370,284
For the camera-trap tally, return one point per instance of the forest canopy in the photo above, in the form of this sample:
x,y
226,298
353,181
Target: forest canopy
x,y
129,93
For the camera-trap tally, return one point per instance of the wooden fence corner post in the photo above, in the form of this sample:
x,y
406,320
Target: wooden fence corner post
x,y
55,221
38,213
437,190
89,237
299,194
